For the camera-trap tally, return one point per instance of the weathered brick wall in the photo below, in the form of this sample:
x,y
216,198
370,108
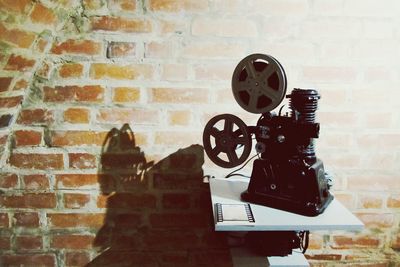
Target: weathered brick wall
x,y
103,103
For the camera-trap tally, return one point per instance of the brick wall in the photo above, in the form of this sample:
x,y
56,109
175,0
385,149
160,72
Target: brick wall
x,y
103,103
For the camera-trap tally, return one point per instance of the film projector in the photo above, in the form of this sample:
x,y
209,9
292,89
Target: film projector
x,y
287,175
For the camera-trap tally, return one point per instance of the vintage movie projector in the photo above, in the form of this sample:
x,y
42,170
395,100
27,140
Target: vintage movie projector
x,y
287,175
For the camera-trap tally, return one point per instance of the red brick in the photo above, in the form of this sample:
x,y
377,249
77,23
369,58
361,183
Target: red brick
x,y
19,63
27,138
349,242
43,260
71,46
131,201
329,74
120,72
179,117
370,182
218,72
4,221
19,38
41,44
370,202
223,27
211,258
396,242
29,242
35,116
123,5
379,141
89,93
77,115
77,138
326,256
376,220
37,161
106,23
82,161
393,202
71,70
72,241
92,5
10,102
172,26
5,243
172,239
316,241
8,180
130,161
5,83
126,95
3,139
36,182
29,200
19,6
26,219
75,201
175,72
179,5
121,49
75,180
42,14
379,119
93,93
179,95
179,220
128,220
350,160
77,258
346,199
73,220
102,200
176,257
197,50
176,201
178,138
119,115
163,49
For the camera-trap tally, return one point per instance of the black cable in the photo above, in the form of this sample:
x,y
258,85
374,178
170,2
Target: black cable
x,y
233,172
280,110
304,236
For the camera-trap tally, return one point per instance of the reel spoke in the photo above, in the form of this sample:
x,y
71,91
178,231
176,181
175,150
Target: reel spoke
x,y
253,100
214,132
216,150
251,71
228,126
271,94
267,72
232,156
243,86
241,140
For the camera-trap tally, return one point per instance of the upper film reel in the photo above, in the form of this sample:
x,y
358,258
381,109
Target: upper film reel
x,y
259,83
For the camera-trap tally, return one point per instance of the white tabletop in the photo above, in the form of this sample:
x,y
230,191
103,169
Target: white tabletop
x,y
227,191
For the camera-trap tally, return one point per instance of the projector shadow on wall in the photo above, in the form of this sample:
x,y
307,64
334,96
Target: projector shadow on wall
x,y
156,214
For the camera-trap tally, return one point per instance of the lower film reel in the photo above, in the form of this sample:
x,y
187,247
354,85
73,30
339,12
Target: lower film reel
x,y
226,140
259,83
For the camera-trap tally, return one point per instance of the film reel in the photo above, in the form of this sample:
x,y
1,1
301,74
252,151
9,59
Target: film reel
x,y
226,140
259,83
